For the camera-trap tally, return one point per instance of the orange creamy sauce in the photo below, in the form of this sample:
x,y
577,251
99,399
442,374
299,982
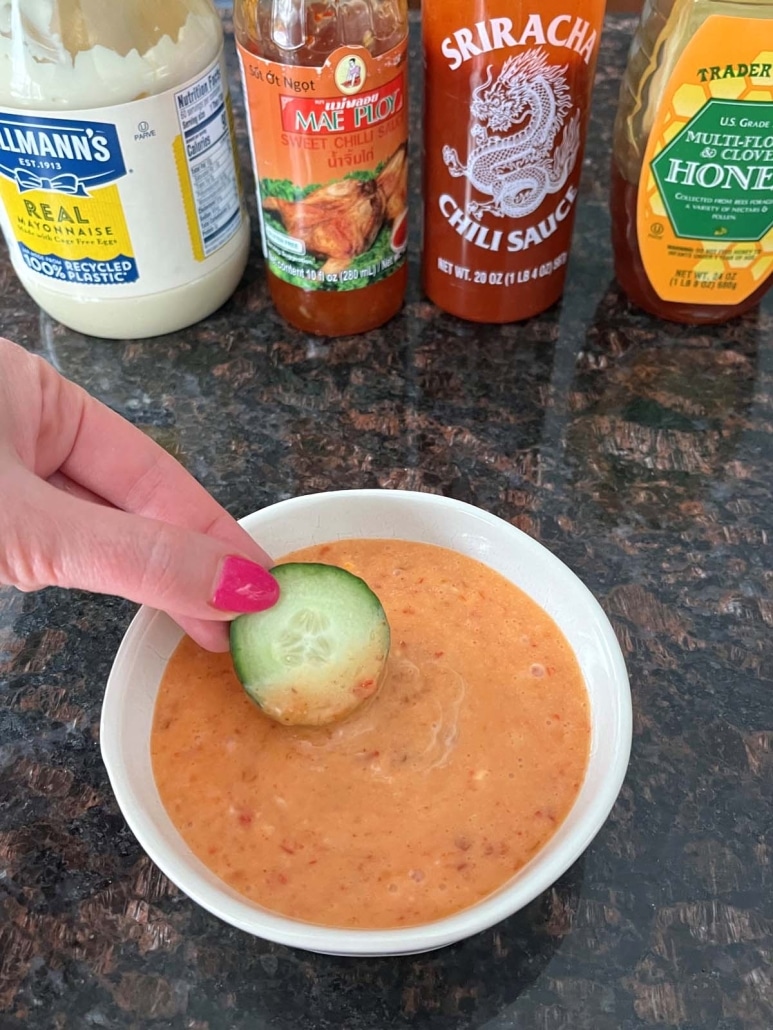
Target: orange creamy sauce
x,y
425,800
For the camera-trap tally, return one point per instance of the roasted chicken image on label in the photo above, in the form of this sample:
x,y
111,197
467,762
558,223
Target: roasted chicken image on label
x,y
340,221
393,183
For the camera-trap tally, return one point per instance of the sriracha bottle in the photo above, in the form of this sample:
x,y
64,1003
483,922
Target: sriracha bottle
x,y
507,95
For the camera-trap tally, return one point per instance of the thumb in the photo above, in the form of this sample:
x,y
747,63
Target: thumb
x,y
51,538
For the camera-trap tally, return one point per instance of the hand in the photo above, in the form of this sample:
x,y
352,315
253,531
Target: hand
x,y
88,501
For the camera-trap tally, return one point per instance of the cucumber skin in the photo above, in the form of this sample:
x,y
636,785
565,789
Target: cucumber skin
x,y
304,698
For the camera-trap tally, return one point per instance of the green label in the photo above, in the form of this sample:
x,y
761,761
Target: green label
x,y
716,175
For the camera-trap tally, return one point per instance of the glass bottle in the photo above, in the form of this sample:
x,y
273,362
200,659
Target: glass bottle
x,y
119,194
326,91
507,90
692,168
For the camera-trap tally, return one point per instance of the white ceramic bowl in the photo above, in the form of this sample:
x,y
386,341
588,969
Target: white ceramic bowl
x,y
131,693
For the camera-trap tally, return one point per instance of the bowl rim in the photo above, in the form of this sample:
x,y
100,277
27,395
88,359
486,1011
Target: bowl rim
x,y
218,899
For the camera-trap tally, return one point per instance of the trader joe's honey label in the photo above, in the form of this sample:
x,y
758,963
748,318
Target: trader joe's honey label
x,y
705,203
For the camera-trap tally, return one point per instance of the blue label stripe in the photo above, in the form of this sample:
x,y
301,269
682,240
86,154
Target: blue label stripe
x,y
115,272
223,226
202,125
59,155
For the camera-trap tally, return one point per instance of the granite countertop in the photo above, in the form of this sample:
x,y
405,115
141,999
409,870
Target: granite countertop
x,y
640,452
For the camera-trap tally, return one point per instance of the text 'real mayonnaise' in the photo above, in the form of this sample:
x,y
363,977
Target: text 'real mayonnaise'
x,y
120,198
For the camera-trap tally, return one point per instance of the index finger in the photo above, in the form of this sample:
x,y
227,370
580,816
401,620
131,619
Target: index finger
x,y
118,462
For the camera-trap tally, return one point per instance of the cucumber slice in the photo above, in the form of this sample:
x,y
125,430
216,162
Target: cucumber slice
x,y
319,652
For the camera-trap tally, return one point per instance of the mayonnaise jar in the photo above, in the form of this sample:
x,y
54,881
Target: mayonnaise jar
x,y
120,197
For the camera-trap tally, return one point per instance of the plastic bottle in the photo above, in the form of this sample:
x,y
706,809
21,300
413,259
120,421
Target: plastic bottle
x,y
507,96
692,170
326,91
119,194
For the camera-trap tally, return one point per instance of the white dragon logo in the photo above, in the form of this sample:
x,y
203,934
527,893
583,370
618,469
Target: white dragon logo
x,y
512,158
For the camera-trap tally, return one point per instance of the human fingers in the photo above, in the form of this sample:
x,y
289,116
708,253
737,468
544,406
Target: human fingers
x,y
212,636
105,454
51,538
61,432
64,483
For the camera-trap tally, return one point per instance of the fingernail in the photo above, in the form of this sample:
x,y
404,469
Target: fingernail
x,y
244,586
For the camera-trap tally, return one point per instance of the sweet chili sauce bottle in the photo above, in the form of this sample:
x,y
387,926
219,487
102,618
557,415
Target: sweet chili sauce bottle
x,y
507,96
326,90
692,170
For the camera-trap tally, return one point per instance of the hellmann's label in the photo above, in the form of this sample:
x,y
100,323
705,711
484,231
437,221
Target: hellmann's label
x,y
132,197
705,201
58,190
506,114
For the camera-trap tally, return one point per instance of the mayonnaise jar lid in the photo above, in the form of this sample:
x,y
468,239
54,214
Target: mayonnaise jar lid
x,y
119,52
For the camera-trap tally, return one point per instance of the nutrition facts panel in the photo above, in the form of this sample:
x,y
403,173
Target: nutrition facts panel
x,y
209,151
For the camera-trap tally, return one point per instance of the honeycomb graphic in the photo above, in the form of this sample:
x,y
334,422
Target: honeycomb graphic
x,y
748,251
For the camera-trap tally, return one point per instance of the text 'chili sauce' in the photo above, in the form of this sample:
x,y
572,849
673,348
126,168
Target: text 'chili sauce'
x,y
507,95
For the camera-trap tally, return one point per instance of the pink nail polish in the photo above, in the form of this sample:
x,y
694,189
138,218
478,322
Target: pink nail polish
x,y
244,586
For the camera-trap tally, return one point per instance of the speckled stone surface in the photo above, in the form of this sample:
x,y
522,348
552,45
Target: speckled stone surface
x,y
641,453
